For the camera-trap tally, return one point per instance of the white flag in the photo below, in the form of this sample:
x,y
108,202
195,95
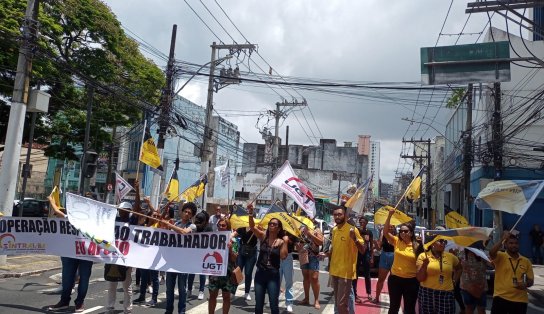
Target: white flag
x,y
286,180
95,220
224,173
122,187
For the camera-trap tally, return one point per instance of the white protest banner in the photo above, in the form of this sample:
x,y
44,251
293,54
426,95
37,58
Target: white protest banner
x,y
122,187
142,247
95,220
286,180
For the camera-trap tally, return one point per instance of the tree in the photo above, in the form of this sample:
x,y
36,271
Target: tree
x,y
81,44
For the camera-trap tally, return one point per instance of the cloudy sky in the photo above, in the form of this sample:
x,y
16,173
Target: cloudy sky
x,y
367,41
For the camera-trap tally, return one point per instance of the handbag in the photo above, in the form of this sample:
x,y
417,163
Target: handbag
x,y
236,275
115,273
247,250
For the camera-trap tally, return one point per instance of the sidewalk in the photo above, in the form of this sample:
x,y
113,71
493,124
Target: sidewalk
x,y
537,290
25,265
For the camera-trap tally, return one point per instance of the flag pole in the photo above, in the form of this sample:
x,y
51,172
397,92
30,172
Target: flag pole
x,y
141,145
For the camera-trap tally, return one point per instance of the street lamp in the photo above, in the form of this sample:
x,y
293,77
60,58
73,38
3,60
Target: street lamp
x,y
216,62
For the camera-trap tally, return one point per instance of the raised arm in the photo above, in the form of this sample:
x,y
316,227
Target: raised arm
x,y
56,210
390,238
422,263
495,249
260,234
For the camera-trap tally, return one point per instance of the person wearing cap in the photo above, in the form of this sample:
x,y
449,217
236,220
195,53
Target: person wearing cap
x,y
124,216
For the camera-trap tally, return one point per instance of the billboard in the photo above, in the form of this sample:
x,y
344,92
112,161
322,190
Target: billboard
x,y
463,64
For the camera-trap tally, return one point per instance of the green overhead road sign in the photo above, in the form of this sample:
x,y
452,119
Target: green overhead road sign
x,y
463,64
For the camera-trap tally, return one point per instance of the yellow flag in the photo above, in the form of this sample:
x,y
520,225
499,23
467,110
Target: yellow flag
x,y
195,190
288,223
240,218
172,190
455,220
414,190
352,200
380,216
55,195
149,154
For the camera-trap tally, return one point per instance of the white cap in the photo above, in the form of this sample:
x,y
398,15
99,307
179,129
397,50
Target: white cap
x,y
125,205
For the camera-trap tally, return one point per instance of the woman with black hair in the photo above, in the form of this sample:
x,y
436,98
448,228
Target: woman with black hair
x,y
272,250
436,271
402,282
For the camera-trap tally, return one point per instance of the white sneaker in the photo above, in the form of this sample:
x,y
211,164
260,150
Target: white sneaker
x,y
248,297
290,308
201,295
149,289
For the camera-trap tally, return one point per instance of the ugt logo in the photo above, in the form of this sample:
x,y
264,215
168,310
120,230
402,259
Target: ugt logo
x,y
301,189
212,263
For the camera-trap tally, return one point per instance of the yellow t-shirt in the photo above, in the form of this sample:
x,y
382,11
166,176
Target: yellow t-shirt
x,y
504,276
433,281
344,252
404,262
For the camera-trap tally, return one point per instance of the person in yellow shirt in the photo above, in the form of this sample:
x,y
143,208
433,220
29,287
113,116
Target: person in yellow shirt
x,y
402,282
513,275
436,271
346,242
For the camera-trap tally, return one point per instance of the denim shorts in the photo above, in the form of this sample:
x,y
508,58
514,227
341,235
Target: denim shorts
x,y
469,299
386,260
312,265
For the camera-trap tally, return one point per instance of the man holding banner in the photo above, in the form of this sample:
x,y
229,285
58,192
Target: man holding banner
x,y
514,274
70,267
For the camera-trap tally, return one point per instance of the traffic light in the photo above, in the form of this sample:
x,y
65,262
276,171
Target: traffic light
x,y
91,159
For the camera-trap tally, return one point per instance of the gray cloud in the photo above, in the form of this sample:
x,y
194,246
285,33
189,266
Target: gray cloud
x,y
336,40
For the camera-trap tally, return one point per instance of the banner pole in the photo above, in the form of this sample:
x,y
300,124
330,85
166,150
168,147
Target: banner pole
x,y
141,144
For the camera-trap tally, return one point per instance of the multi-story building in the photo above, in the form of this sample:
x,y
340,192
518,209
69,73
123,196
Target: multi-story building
x,y
520,130
328,170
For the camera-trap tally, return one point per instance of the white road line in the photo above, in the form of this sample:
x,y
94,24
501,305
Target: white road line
x,y
92,309
329,309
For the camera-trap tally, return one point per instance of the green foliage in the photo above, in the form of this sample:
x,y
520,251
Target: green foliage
x,y
81,42
456,97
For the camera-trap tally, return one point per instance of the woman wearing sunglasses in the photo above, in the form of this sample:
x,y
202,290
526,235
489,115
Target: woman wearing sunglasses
x,y
272,250
436,271
223,283
402,282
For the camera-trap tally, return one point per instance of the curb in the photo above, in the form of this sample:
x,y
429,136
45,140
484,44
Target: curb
x,y
27,273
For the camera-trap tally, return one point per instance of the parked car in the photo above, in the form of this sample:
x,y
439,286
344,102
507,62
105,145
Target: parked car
x,y
31,208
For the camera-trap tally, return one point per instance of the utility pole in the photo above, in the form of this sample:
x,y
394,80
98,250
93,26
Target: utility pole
x,y
14,135
278,114
83,180
109,175
467,156
164,117
419,159
209,144
497,140
286,158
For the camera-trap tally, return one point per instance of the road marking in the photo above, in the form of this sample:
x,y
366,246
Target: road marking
x,y
92,309
329,309
298,289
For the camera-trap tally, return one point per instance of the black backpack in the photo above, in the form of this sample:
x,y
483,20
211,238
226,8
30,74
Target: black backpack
x,y
115,273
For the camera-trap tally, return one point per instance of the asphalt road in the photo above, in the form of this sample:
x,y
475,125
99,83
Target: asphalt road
x,y
33,294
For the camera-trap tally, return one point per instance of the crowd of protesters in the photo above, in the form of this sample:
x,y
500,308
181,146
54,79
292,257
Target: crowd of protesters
x,y
422,281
